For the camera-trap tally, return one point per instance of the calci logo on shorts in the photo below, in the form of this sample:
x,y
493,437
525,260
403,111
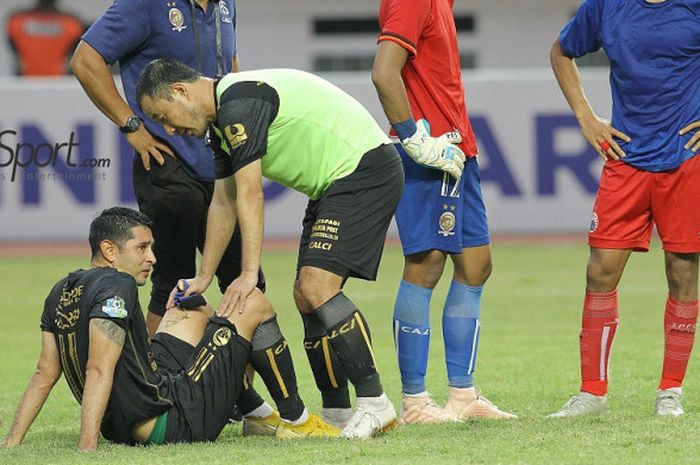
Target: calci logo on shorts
x,y
594,223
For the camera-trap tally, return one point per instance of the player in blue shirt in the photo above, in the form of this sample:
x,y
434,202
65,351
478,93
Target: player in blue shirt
x,y
174,192
650,175
176,189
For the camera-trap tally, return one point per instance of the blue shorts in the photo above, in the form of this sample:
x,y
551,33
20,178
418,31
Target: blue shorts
x,y
434,213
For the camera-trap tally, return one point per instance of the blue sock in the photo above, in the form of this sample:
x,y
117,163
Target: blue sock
x,y
460,332
412,335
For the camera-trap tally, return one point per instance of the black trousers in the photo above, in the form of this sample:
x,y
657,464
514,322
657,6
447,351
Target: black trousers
x,y
178,205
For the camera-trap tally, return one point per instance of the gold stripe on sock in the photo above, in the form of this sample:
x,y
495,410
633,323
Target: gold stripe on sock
x,y
361,325
273,364
329,365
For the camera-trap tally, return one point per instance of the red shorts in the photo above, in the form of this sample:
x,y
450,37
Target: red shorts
x,y
630,201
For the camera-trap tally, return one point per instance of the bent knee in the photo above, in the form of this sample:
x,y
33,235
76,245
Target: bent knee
x,y
305,293
601,276
482,275
259,306
309,295
425,269
682,275
302,305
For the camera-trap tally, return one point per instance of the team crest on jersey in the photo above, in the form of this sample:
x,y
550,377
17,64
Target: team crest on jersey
x,y
594,223
235,135
221,336
225,13
447,223
176,18
115,307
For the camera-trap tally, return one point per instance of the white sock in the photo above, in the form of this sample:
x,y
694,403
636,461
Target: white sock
x,y
336,412
302,419
373,402
265,410
420,394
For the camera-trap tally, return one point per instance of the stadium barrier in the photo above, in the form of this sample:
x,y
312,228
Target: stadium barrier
x,y
61,161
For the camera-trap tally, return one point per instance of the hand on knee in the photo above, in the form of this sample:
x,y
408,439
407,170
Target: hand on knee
x,y
257,310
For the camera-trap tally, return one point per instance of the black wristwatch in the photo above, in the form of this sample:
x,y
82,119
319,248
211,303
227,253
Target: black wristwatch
x,y
133,123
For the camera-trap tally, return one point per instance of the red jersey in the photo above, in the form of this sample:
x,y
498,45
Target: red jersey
x,y
432,75
43,40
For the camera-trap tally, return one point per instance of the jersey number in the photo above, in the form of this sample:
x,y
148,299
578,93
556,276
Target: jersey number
x,y
450,186
71,366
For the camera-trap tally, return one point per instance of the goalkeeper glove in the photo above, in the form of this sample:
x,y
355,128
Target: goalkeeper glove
x,y
435,152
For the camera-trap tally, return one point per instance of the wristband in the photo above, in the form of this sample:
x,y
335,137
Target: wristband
x,y
405,129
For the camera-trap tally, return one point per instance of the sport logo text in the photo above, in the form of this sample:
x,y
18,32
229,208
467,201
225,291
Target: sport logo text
x,y
24,154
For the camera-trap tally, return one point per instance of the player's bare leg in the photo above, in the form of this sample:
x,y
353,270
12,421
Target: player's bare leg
x,y
424,269
605,268
680,321
598,327
189,325
473,266
349,337
186,325
682,275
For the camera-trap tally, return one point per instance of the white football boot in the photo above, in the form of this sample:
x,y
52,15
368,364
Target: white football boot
x,y
582,404
373,415
668,402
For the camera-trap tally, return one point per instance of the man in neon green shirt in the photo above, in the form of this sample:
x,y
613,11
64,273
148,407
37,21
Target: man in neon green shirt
x,y
303,132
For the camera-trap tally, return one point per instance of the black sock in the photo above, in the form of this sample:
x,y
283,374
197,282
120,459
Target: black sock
x,y
272,360
249,399
349,336
328,373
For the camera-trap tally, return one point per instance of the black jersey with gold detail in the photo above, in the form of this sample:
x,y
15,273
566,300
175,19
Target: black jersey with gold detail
x,y
138,389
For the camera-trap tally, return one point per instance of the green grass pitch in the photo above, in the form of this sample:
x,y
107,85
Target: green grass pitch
x,y
528,364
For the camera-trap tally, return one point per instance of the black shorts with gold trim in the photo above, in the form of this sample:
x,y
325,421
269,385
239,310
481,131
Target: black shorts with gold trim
x,y
206,389
344,230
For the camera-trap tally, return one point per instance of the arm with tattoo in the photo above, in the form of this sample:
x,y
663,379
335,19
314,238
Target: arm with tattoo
x,y
111,330
106,342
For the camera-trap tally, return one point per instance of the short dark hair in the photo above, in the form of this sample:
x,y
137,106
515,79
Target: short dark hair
x,y
159,75
115,224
